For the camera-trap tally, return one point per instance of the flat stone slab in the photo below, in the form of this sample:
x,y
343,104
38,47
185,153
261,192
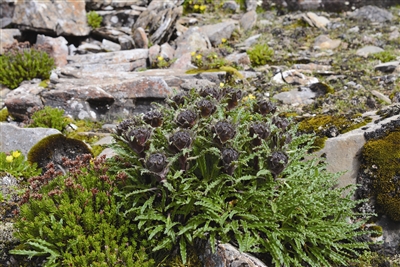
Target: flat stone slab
x,y
23,139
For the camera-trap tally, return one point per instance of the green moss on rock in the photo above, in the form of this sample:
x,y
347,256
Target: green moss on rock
x,y
54,147
382,157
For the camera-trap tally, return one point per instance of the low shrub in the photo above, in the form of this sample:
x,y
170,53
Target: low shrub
x,y
260,54
211,166
18,66
94,19
49,117
74,219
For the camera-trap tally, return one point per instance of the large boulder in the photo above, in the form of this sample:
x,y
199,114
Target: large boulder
x,y
53,17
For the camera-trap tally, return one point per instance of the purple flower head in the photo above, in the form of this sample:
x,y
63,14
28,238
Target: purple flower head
x,y
277,162
206,107
224,131
154,118
180,140
186,118
265,107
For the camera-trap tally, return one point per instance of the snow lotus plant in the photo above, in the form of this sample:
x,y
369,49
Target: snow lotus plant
x,y
210,165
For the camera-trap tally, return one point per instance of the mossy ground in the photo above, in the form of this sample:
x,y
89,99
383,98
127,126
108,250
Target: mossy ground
x,y
381,158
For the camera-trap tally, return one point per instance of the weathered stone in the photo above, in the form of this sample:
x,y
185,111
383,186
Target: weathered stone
x,y
219,31
7,11
60,18
367,50
191,41
327,5
251,5
294,77
154,52
248,20
120,18
387,67
59,49
8,37
302,96
126,42
160,23
324,42
98,4
227,255
21,101
230,6
140,38
23,139
127,60
183,62
372,13
381,96
316,21
110,46
242,59
167,52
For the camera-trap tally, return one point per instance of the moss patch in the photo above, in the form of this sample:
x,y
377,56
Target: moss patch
x,y
382,158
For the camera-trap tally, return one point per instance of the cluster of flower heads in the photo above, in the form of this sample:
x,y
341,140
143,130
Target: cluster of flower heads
x,y
203,118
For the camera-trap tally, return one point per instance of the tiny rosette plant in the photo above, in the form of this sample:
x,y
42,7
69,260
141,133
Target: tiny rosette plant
x,y
218,168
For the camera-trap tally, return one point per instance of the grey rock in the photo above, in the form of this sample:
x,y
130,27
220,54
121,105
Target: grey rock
x,y
154,52
387,67
126,42
160,23
60,18
367,50
7,242
391,234
110,46
227,255
249,42
183,62
324,42
316,21
248,20
88,47
126,60
251,5
59,47
191,41
241,59
167,52
231,6
119,18
23,139
22,101
140,38
293,77
98,4
372,13
302,96
217,32
326,5
8,37
381,96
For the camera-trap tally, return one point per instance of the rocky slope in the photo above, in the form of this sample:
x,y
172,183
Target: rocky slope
x,y
343,64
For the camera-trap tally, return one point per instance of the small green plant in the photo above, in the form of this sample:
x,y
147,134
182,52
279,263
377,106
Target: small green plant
x,y
161,63
260,55
94,19
210,166
195,6
18,66
384,56
49,117
73,219
3,114
15,164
